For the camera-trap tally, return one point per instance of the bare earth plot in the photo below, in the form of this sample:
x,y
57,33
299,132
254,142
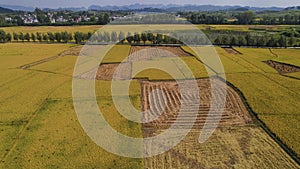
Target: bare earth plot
x,y
139,53
231,51
122,71
116,71
283,68
236,143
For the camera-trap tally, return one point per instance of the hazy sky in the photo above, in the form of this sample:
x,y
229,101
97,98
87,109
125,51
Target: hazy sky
x,y
86,3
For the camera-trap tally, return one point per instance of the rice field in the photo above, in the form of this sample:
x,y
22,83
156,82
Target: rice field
x,y
39,127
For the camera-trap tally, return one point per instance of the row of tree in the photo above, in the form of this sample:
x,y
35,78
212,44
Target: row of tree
x,y
43,37
80,37
150,37
253,40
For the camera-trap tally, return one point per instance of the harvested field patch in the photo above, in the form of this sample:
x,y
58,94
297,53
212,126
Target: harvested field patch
x,y
235,113
242,143
120,71
231,51
139,53
283,68
228,147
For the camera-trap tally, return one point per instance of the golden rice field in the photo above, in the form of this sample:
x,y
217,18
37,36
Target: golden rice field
x,y
39,127
93,28
246,27
45,29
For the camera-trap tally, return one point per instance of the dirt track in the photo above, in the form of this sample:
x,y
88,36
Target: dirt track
x,y
231,51
74,51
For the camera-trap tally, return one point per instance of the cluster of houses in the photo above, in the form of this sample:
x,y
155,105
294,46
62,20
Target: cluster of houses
x,y
31,18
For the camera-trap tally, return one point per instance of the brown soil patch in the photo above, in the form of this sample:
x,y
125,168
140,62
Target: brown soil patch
x,y
283,68
139,53
231,51
108,71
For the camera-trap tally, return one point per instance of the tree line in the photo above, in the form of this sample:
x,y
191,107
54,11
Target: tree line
x,y
256,41
243,39
245,17
81,37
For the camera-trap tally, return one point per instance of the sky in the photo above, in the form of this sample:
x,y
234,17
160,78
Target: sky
x,y
86,3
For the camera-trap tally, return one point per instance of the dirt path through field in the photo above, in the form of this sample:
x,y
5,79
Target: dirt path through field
x,y
74,51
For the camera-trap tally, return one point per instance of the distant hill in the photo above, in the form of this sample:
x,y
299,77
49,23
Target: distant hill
x,y
176,8
5,10
155,7
293,8
66,9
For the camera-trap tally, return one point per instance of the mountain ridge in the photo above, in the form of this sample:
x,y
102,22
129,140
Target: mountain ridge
x,y
162,7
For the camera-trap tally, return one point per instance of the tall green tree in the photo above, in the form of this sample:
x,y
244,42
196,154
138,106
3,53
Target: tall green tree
x,y
33,37
106,37
114,36
8,37
100,20
45,37
144,37
129,38
282,41
78,37
150,36
15,36
225,40
27,37
159,38
51,37
2,36
39,36
245,17
271,42
21,36
291,41
242,41
58,36
121,37
106,19
136,38
99,37
233,41
218,41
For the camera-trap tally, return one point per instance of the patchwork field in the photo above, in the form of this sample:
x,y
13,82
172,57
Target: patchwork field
x,y
92,28
39,127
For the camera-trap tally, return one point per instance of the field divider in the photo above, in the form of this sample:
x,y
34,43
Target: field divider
x,y
254,115
263,73
22,130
